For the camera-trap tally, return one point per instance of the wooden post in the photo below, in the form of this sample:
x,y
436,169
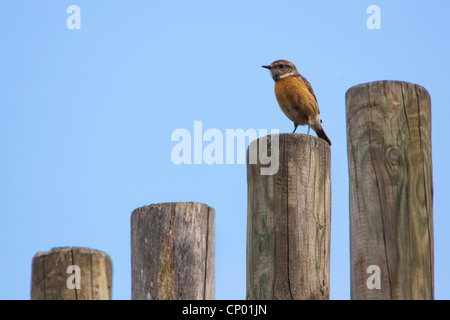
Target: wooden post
x,y
71,274
289,218
172,252
391,191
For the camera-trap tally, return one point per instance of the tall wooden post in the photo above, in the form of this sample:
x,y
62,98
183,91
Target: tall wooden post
x,y
391,191
289,218
172,252
71,274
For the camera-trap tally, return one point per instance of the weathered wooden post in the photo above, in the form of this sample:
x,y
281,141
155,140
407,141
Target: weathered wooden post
x,y
71,274
289,218
172,252
391,191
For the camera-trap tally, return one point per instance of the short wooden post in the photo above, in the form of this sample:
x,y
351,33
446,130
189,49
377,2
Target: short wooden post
x,y
172,252
289,218
71,274
391,191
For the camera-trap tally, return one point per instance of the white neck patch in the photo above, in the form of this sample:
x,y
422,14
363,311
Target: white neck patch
x,y
286,75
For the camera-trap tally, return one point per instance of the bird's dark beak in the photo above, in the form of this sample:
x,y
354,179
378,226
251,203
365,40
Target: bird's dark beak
x,y
267,67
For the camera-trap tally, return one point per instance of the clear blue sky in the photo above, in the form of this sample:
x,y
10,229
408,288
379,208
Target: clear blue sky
x,y
86,116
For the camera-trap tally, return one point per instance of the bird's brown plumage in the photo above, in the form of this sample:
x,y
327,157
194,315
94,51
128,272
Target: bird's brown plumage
x,y
296,97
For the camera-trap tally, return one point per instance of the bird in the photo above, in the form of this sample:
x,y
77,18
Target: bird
x,y
296,97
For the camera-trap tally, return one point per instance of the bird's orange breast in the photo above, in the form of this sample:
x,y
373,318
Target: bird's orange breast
x,y
295,100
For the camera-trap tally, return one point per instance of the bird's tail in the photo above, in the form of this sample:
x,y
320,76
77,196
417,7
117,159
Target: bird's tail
x,y
321,134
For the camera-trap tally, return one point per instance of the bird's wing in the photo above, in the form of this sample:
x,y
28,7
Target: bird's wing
x,y
308,85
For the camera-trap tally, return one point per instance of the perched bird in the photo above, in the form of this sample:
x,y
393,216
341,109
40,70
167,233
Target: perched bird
x,y
296,97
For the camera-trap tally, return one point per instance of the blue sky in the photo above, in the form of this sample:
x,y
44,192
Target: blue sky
x,y
86,116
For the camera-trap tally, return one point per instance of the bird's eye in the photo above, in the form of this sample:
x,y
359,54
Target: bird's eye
x,y
281,66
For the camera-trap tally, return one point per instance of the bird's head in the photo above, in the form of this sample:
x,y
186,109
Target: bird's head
x,y
281,68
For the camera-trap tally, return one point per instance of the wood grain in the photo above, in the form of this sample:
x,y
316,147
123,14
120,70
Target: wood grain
x,y
289,218
49,274
172,252
391,189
